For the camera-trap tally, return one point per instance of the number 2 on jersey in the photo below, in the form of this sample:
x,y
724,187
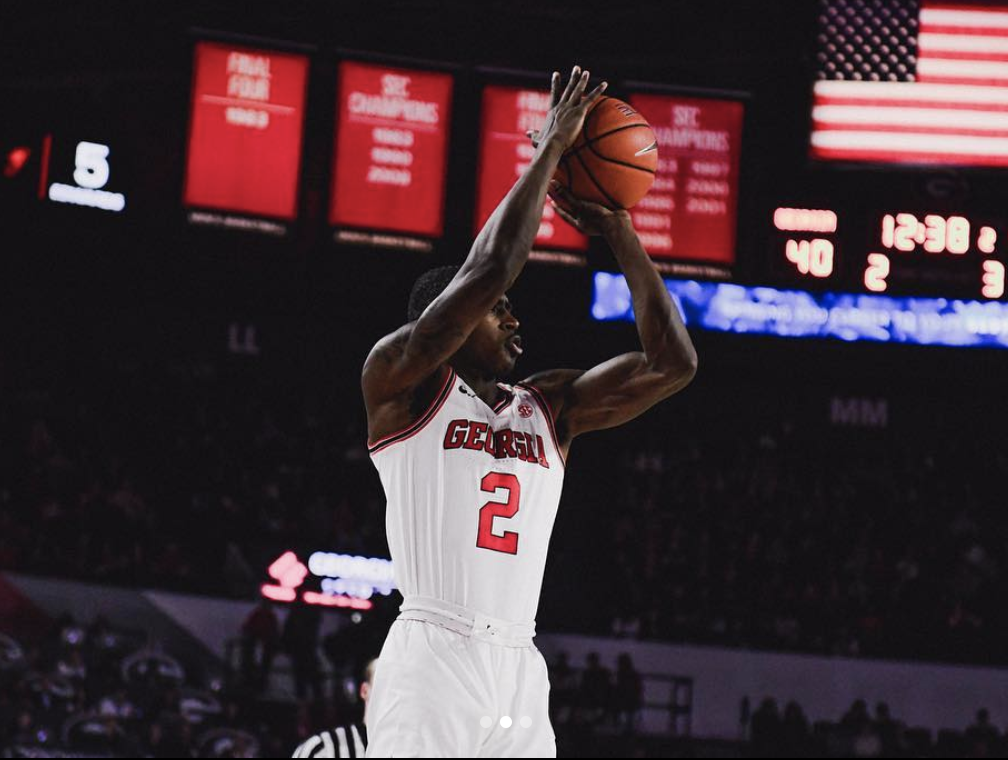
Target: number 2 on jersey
x,y
487,539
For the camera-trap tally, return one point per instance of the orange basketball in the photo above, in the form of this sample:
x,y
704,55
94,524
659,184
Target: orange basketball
x,y
614,159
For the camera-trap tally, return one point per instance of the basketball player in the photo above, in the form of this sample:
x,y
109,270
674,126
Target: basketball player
x,y
473,468
343,741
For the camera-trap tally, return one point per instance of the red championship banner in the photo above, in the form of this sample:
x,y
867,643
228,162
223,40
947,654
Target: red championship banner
x,y
691,212
390,159
245,130
505,152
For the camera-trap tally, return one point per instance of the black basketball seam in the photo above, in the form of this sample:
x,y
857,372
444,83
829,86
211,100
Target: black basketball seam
x,y
596,138
617,161
590,145
596,183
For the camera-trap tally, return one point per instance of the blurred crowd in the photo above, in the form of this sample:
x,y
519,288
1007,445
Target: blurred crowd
x,y
861,733
97,690
713,519
847,543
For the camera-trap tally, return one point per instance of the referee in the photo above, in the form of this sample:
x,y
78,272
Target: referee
x,y
343,741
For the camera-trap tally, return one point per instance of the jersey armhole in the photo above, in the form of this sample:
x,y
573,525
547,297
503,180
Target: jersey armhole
x,y
383,443
548,411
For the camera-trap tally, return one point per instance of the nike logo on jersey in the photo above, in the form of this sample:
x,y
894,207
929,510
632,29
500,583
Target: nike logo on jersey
x,y
500,444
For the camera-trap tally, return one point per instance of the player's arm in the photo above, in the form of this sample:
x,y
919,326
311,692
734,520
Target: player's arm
x,y
622,388
403,360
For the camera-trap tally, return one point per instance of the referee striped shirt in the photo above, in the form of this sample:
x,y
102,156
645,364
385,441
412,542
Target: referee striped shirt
x,y
345,741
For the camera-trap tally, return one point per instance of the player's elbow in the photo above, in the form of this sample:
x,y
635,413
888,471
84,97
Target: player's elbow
x,y
487,269
677,369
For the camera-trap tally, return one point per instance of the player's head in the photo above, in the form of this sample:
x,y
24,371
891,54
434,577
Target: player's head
x,y
366,684
493,346
367,681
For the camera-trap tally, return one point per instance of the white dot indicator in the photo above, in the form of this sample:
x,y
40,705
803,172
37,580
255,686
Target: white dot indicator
x,y
526,722
486,721
506,722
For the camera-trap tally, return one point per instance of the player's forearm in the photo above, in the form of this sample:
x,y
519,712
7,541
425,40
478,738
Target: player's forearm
x,y
505,241
663,335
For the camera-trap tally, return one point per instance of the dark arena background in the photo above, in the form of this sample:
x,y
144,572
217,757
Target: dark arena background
x,y
208,215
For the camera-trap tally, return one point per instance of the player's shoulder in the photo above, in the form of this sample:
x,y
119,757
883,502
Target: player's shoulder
x,y
551,381
388,348
553,385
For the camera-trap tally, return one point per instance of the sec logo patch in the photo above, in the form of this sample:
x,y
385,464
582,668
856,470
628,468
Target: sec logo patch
x,y
526,411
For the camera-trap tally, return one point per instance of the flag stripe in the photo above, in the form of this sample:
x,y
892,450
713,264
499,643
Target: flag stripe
x,y
909,142
849,115
957,16
949,55
932,44
966,70
909,129
912,104
962,81
883,92
907,157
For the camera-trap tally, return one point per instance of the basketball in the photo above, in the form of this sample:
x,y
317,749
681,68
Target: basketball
x,y
614,159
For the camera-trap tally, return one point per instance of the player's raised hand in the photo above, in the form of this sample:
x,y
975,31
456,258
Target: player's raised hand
x,y
590,218
568,107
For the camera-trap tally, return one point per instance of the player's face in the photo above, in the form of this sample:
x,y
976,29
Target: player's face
x,y
495,344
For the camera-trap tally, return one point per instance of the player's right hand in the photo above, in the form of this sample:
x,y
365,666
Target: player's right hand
x,y
567,110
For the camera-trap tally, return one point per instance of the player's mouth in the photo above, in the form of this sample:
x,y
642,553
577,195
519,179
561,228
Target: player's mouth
x,y
513,346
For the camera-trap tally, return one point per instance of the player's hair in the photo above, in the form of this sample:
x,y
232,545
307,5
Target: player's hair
x,y
427,287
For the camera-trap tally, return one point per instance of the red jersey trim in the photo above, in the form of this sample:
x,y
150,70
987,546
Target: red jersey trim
x,y
548,410
505,402
420,424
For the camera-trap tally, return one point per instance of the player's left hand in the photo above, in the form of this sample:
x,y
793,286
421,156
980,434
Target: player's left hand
x,y
590,218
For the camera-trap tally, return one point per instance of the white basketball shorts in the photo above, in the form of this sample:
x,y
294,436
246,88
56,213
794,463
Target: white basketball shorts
x,y
439,692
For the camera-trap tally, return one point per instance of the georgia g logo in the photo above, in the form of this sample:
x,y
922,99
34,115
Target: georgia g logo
x,y
526,411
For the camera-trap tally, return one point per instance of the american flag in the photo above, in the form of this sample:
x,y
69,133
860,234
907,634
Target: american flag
x,y
912,81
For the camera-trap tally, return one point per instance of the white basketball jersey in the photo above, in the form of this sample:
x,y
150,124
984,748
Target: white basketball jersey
x,y
472,497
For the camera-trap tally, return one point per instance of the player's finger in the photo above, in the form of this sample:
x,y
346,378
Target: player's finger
x,y
566,216
580,86
594,95
533,135
575,73
555,90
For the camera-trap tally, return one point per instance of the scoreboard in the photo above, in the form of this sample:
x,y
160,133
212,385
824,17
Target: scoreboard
x,y
910,251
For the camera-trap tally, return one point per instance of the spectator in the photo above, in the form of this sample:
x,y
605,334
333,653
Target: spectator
x,y
596,691
260,636
765,729
628,696
889,731
982,738
301,642
794,732
563,691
